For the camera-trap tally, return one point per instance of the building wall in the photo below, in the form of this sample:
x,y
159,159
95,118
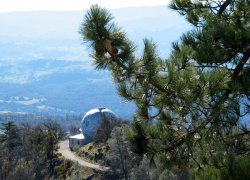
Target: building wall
x,y
77,143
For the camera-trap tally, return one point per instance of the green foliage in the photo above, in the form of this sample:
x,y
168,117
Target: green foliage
x,y
167,175
137,138
234,168
107,124
9,138
146,170
64,170
190,105
28,152
97,28
119,156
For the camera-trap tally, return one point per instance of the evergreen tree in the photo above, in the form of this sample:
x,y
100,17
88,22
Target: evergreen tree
x,y
9,141
51,135
118,155
189,106
10,137
106,126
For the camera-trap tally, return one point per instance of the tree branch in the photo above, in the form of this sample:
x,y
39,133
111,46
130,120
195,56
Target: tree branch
x,y
240,66
224,6
237,71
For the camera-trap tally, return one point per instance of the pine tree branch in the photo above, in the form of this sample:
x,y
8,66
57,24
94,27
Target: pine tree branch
x,y
159,87
214,114
141,77
224,6
240,66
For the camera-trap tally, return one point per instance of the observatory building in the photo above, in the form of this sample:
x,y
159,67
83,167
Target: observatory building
x,y
91,121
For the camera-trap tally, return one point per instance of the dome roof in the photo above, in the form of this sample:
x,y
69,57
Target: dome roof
x,y
92,120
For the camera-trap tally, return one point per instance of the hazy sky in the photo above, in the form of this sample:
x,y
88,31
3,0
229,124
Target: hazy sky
x,y
32,5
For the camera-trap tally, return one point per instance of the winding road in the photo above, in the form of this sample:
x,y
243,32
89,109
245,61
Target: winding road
x,y
65,151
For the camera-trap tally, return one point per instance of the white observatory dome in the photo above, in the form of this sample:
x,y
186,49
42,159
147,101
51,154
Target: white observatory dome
x,y
92,120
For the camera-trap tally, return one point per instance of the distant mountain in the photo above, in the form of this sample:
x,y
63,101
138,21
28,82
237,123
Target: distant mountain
x,y
57,87
45,68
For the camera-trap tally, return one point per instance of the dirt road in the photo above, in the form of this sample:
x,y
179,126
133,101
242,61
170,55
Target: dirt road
x,y
65,151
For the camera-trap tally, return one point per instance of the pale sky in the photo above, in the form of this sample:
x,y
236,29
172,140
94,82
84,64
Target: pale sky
x,y
59,5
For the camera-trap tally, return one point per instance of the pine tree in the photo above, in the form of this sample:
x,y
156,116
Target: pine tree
x,y
9,141
10,138
189,106
118,155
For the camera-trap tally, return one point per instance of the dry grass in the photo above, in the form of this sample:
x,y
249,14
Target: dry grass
x,y
93,152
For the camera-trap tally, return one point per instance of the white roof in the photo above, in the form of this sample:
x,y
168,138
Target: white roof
x,y
96,110
78,136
